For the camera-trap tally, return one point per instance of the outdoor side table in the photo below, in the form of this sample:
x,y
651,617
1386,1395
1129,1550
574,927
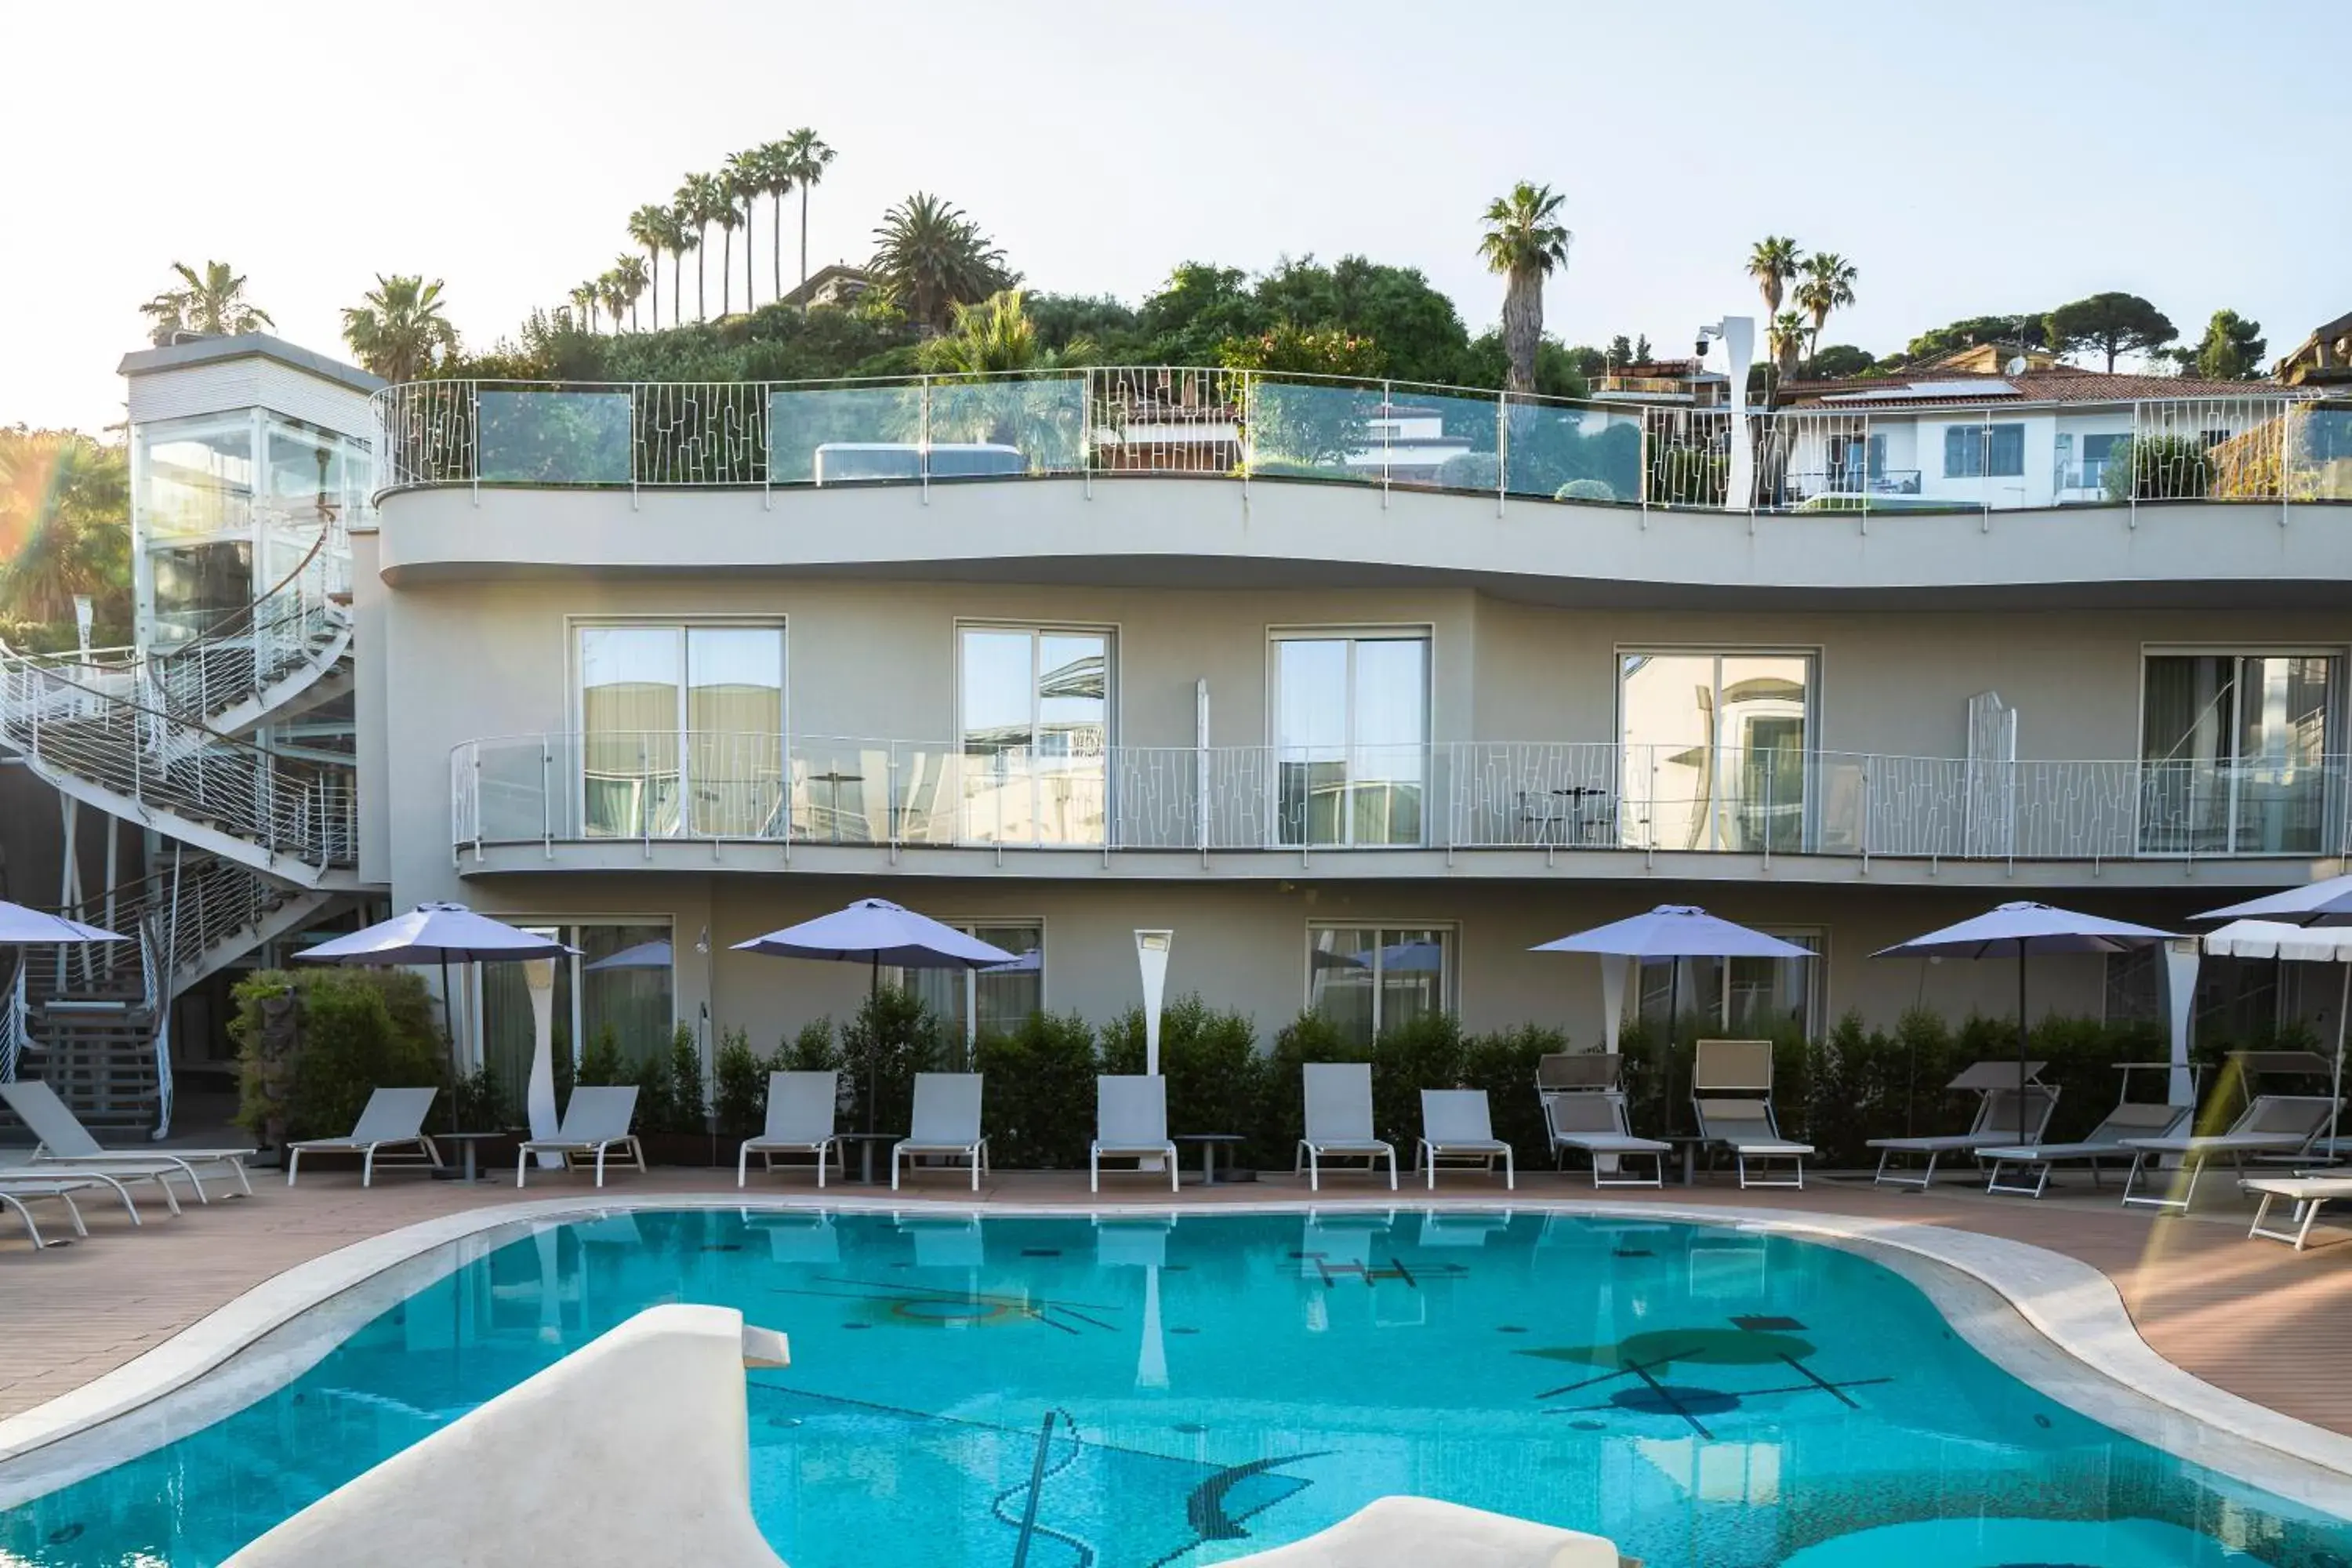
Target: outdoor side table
x,y
1690,1143
1208,1143
865,1143
465,1142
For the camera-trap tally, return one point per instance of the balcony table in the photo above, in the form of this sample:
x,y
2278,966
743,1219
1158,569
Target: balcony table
x,y
1208,1143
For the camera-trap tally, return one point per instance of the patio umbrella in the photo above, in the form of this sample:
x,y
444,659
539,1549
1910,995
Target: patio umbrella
x,y
643,956
2313,904
21,927
876,931
1674,931
437,933
2297,944
2023,929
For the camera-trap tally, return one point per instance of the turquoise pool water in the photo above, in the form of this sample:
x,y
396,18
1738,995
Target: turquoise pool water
x,y
1058,1393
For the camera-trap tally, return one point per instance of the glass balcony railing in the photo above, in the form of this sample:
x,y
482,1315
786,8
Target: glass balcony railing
x,y
1553,796
1119,420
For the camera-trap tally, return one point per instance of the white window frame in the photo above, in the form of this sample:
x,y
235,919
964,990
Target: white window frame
x,y
1816,972
970,977
2339,714
1449,982
1109,631
565,928
1816,684
576,696
1424,632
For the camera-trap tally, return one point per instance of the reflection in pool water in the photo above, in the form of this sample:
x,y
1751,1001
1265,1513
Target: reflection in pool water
x,y
1143,1391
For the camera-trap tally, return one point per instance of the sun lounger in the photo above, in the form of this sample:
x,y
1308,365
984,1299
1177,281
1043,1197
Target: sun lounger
x,y
2129,1119
392,1118
801,1108
2274,1124
946,1122
2306,1193
596,1122
1731,1094
1593,1124
64,1142
1339,1121
18,1190
1131,1122
1456,1124
2005,1117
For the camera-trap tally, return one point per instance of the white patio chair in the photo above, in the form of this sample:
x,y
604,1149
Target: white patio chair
x,y
946,1122
2000,1121
1731,1092
594,1123
392,1118
1456,1124
2273,1124
801,1109
63,1140
18,1190
1131,1120
1339,1121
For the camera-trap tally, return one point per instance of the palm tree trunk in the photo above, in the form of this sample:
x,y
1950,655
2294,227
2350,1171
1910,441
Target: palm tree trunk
x,y
804,242
726,270
701,300
653,254
676,283
776,243
1522,330
750,295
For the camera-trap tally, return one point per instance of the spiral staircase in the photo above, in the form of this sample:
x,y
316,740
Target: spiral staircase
x,y
255,842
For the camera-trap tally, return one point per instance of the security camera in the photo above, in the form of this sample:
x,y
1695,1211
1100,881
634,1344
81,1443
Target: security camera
x,y
1699,348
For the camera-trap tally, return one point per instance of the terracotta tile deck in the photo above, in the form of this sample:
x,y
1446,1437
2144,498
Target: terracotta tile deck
x,y
2253,1318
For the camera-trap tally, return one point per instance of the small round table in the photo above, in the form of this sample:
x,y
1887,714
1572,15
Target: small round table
x,y
467,1172
865,1142
1208,1143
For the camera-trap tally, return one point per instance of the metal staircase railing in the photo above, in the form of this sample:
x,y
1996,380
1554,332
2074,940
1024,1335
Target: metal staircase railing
x,y
203,909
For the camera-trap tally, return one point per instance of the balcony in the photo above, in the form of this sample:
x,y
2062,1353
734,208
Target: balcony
x,y
1479,807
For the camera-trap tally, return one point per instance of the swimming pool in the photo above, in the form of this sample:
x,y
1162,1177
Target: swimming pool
x,y
1143,1391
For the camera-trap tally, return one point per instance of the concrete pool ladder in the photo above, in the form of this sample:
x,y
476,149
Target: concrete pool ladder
x,y
635,1450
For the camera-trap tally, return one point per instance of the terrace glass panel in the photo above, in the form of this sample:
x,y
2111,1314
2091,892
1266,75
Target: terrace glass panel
x,y
1443,441
1573,453
845,435
553,438
1311,430
986,428
2319,454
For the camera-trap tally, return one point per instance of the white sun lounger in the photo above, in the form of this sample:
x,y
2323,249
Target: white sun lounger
x,y
392,1118
1731,1094
1593,1124
1458,1124
1339,1121
596,1122
63,1141
801,1107
2306,1193
2005,1118
1131,1122
18,1189
2129,1119
2274,1124
946,1122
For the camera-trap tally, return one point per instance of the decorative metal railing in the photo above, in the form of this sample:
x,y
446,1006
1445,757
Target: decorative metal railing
x,y
196,911
2274,447
650,786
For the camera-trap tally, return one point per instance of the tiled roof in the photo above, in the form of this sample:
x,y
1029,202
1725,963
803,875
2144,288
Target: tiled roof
x,y
2059,385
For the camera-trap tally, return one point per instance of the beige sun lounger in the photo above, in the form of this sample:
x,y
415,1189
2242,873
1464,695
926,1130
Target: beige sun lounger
x,y
801,1110
2004,1118
2130,1118
946,1122
1731,1093
1457,1124
392,1119
65,1144
1130,1122
2306,1193
596,1122
2274,1124
1339,1121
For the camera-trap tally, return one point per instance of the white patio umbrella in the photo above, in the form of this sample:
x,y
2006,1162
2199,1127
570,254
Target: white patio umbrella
x,y
443,935
2313,904
21,927
2296,944
1673,931
876,931
2023,929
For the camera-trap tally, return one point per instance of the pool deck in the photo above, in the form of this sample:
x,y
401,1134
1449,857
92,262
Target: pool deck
x,y
2253,1318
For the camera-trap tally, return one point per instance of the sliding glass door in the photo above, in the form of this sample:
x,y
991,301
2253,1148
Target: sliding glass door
x,y
1352,740
1715,750
2234,750
1036,715
681,730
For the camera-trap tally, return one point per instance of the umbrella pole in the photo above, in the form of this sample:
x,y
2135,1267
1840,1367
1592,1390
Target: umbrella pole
x,y
2023,1044
2336,1105
873,1044
449,1037
1674,1009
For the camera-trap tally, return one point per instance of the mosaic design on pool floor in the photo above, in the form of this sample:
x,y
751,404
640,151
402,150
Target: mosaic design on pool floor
x,y
1752,1341
934,1306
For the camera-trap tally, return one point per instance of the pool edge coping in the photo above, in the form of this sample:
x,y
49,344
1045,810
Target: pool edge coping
x,y
2071,1304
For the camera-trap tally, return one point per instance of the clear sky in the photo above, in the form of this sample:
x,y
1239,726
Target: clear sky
x,y
1999,156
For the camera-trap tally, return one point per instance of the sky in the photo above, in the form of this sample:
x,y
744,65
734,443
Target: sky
x,y
2000,157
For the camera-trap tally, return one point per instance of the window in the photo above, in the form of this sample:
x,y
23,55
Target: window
x,y
1715,749
1367,981
1351,738
1034,705
621,983
995,1001
196,476
1984,451
681,730
1750,998
2233,749
199,587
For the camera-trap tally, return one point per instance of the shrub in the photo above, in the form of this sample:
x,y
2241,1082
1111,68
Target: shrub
x,y
313,1045
2159,468
1470,471
1216,1078
602,1062
690,1098
812,1050
1039,1107
1585,490
893,1038
1504,1065
1424,1052
739,1087
484,1103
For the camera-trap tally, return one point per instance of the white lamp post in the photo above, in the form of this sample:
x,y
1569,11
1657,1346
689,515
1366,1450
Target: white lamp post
x,y
1151,957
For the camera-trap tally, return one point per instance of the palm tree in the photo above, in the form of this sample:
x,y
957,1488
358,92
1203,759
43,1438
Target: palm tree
x,y
728,220
1828,286
649,226
629,272
803,161
775,183
699,203
929,258
397,329
212,302
613,293
1784,339
64,526
1773,261
1524,241
679,235
746,181
583,302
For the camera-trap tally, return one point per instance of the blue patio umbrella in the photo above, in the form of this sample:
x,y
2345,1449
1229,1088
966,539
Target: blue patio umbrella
x,y
2023,929
21,927
1674,931
876,931
2313,904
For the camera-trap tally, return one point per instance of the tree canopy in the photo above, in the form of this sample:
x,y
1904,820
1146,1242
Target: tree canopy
x,y
2112,324
65,530
2025,331
2233,349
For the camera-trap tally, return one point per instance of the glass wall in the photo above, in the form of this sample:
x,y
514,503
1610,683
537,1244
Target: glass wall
x,y
1351,738
681,730
1367,981
995,1001
1034,719
196,476
1715,749
2233,749
621,983
1748,998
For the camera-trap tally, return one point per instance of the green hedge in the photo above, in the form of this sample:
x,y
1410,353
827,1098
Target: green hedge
x,y
305,1070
